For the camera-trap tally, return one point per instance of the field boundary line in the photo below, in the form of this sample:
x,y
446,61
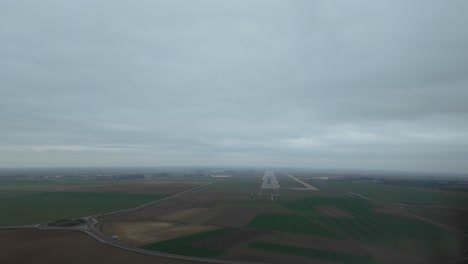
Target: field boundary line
x,y
462,257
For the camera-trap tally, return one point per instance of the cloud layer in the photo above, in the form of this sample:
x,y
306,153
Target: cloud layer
x,y
323,84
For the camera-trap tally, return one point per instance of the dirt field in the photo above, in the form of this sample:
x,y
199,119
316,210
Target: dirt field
x,y
184,215
175,204
197,208
233,217
49,247
142,233
332,211
179,223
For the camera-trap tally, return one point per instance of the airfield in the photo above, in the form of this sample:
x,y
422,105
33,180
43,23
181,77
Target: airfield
x,y
251,217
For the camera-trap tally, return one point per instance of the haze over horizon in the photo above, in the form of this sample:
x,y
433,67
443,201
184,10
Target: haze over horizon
x,y
326,84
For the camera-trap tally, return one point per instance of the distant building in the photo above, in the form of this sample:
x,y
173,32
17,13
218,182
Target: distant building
x,y
319,178
221,176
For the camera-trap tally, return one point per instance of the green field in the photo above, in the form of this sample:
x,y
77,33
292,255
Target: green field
x,y
402,194
314,253
289,223
24,183
346,203
237,185
183,245
406,234
39,207
246,204
286,182
13,192
30,183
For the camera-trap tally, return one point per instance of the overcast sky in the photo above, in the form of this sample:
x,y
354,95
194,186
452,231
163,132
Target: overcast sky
x,y
320,84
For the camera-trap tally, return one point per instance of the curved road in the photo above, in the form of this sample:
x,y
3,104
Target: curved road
x,y
92,229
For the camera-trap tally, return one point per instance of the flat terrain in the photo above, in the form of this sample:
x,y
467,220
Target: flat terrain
x,y
456,217
33,201
305,185
54,246
324,225
46,206
142,233
443,206
144,188
234,220
403,194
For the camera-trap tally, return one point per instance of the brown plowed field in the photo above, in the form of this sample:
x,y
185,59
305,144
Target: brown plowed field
x,y
236,217
142,233
175,204
53,246
197,208
186,215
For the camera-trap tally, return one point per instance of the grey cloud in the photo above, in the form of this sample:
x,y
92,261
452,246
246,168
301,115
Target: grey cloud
x,y
340,84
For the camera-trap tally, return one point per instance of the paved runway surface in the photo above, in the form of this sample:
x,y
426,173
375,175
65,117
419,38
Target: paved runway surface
x,y
269,181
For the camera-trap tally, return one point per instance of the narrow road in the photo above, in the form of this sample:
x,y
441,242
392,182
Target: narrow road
x,y
92,228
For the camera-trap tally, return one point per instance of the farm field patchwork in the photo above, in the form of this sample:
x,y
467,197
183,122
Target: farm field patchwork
x,y
323,214
289,223
456,217
184,245
314,253
403,194
45,206
235,220
289,194
60,246
142,233
403,233
88,185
